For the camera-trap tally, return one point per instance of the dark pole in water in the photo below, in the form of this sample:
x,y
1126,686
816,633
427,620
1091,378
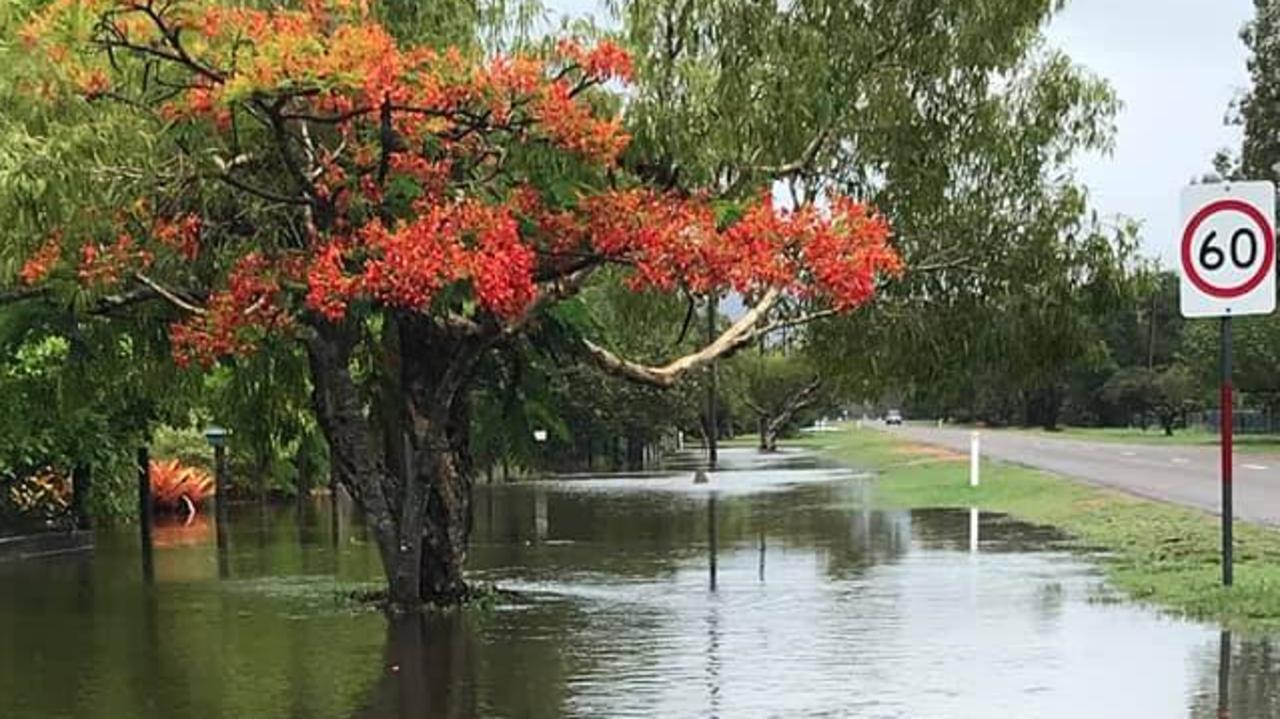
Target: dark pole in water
x,y
145,510
81,485
217,438
223,502
713,426
1224,675
761,555
712,536
334,527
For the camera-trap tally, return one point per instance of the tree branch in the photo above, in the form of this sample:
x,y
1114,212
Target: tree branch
x,y
8,297
738,335
551,291
789,322
795,403
109,303
168,295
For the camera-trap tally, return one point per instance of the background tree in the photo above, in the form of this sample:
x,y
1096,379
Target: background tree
x,y
1177,393
776,388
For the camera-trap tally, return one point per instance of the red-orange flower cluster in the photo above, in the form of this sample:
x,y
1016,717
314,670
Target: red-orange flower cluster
x,y
39,265
236,319
833,255
605,61
407,266
180,233
106,264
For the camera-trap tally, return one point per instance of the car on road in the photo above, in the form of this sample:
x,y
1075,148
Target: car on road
x,y
893,418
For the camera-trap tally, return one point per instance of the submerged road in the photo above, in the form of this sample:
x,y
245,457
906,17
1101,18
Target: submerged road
x,y
1187,475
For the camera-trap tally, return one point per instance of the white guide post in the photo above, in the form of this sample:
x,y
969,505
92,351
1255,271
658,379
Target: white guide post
x,y
974,453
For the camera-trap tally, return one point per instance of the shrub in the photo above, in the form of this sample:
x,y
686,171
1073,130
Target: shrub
x,y
176,487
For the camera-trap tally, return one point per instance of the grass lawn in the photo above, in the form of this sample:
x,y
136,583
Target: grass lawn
x,y
1156,553
1243,442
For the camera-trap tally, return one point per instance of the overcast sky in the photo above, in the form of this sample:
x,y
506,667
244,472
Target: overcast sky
x,y
1176,65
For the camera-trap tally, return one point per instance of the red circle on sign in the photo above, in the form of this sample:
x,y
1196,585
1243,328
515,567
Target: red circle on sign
x,y
1268,248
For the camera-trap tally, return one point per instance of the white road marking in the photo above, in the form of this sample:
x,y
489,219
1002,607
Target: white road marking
x,y
1255,467
1129,454
1180,460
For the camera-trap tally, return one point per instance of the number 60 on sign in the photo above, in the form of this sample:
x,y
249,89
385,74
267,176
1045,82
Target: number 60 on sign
x,y
1227,253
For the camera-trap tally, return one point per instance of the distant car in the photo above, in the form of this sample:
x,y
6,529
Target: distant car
x,y
893,417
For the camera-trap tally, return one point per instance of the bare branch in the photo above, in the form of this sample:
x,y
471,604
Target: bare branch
x,y
168,295
102,306
551,291
8,297
110,303
796,402
738,335
789,322
800,164
268,195
939,265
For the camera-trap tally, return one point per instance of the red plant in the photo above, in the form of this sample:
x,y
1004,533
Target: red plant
x,y
176,487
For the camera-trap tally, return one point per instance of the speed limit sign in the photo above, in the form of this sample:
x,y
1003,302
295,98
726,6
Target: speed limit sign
x,y
1227,255
1228,249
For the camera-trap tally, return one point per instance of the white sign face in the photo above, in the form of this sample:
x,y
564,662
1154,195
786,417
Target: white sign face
x,y
1227,249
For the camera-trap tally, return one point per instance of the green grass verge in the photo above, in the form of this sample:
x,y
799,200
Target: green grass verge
x,y
1159,554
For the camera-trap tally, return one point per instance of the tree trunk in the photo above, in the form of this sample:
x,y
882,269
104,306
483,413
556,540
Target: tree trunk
x,y
403,457
770,439
448,526
772,426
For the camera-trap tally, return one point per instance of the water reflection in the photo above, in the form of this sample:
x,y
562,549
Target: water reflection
x,y
713,538
639,596
1224,676
425,670
1239,677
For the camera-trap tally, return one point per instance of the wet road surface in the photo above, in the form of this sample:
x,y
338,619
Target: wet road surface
x,y
1187,475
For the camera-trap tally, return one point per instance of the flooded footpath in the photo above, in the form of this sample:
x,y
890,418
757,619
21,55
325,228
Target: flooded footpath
x,y
775,590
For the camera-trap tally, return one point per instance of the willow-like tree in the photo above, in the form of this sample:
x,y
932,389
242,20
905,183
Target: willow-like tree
x,y
400,210
954,117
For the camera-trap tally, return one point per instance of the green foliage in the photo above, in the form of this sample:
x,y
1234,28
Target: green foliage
x,y
265,399
80,392
1259,109
188,445
775,386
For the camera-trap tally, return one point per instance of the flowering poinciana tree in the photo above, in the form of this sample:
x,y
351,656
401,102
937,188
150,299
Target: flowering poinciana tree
x,y
402,211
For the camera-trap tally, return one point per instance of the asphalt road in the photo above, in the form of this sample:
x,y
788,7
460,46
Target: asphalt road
x,y
1181,475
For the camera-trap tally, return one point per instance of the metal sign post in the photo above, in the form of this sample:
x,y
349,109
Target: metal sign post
x,y
1226,428
1228,261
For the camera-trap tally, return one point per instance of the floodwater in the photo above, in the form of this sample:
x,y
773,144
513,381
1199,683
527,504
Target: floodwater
x,y
774,591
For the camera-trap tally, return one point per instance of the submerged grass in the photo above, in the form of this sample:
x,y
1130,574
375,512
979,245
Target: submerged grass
x,y
1156,553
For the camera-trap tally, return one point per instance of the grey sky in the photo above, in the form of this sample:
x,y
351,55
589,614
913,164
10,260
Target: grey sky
x,y
1176,64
